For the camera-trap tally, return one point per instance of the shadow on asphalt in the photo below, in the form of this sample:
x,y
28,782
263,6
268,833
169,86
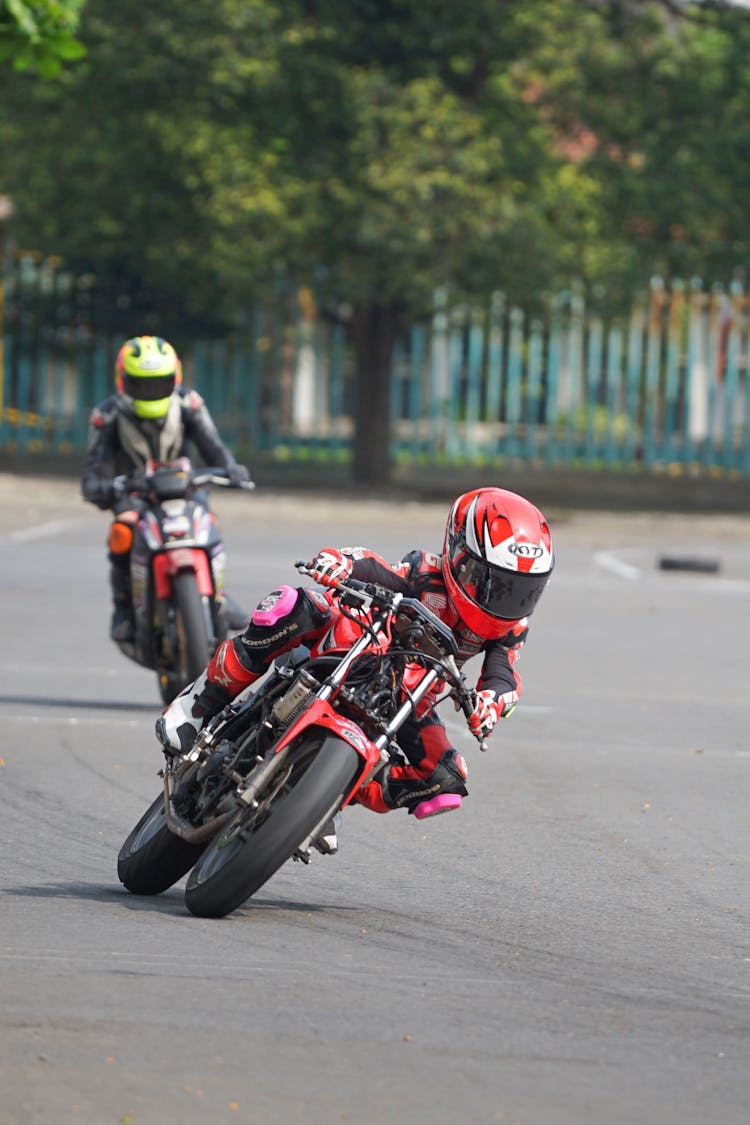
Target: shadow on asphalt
x,y
80,704
169,902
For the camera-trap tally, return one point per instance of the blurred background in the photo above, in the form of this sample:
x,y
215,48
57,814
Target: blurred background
x,y
392,241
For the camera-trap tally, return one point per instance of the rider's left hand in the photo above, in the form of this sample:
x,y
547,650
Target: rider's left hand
x,y
238,475
488,710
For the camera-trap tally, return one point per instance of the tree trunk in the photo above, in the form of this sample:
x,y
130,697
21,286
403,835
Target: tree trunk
x,y
373,332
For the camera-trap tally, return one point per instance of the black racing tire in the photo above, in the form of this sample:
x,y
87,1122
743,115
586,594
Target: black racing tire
x,y
254,845
689,563
192,629
152,858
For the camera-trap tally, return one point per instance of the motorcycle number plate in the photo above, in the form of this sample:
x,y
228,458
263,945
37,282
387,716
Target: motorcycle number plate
x,y
176,525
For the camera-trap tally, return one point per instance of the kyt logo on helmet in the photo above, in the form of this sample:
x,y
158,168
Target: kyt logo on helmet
x,y
526,550
497,559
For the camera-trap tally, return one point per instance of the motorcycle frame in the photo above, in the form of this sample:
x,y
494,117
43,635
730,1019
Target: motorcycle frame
x,y
317,715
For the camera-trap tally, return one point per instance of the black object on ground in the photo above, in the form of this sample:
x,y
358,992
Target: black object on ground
x,y
690,563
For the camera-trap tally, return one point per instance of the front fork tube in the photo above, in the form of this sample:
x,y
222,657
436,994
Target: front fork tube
x,y
405,710
408,708
271,764
338,676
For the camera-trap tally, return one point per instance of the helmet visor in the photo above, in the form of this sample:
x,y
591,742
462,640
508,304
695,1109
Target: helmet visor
x,y
508,595
148,388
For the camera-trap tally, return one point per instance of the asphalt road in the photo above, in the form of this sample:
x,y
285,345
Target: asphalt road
x,y
571,948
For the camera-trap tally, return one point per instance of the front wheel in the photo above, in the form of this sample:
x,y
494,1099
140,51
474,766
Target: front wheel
x,y
152,858
193,644
258,841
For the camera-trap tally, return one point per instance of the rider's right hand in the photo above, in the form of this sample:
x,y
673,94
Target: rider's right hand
x,y
238,475
330,567
119,486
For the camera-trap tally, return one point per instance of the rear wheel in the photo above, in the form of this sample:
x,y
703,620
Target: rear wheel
x,y
152,858
257,842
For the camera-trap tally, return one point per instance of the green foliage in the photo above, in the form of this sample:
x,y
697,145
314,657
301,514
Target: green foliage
x,y
654,111
38,35
379,147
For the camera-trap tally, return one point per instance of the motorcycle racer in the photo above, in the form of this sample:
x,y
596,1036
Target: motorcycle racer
x,y
151,416
496,561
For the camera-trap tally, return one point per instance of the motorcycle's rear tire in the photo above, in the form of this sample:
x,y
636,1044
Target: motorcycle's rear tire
x,y
235,865
152,858
195,643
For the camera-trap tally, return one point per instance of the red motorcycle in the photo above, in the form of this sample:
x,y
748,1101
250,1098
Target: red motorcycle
x,y
270,770
177,563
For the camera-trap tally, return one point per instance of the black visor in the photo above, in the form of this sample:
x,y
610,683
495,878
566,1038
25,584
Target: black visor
x,y
506,594
148,388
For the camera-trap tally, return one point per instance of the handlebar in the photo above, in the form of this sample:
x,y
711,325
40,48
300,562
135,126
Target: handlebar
x,y
369,594
211,476
141,484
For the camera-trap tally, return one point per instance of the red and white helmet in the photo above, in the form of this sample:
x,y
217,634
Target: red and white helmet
x,y
497,559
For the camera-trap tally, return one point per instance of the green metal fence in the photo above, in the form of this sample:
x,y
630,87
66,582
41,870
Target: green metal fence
x,y
665,387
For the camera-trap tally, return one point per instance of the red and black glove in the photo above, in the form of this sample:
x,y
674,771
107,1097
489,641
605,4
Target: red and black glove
x,y
330,567
488,710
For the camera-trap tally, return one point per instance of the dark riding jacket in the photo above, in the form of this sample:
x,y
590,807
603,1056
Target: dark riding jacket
x,y
120,443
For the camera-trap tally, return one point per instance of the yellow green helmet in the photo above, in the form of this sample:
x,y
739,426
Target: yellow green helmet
x,y
147,370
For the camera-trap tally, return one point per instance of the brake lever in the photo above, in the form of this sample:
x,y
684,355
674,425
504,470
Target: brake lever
x,y
467,702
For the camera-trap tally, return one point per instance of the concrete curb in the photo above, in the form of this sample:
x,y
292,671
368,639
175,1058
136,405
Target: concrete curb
x,y
549,487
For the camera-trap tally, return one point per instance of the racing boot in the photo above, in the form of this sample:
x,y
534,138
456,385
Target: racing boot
x,y
122,625
187,714
398,787
277,622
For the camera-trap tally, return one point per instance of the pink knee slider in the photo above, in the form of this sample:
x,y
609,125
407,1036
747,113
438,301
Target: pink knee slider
x,y
444,802
274,606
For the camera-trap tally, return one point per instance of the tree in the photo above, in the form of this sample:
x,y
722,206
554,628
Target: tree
x,y
393,170
386,147
653,114
39,35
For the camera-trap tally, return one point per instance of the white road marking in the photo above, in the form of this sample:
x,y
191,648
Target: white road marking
x,y
38,531
607,561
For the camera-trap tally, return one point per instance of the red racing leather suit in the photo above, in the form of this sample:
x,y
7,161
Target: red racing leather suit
x,y
432,763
